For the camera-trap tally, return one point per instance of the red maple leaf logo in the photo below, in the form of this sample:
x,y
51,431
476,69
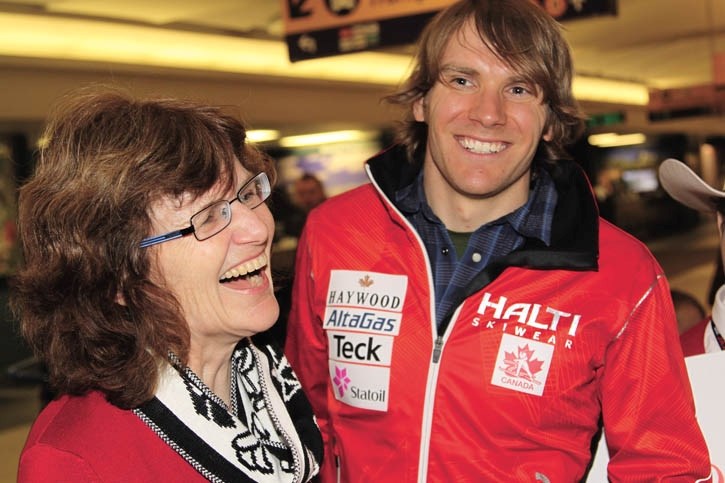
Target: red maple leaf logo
x,y
522,364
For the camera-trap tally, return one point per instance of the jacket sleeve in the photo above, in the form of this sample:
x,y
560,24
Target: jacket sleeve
x,y
647,404
43,463
306,347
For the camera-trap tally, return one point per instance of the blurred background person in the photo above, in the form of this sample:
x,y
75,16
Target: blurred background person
x,y
291,214
289,218
717,280
147,239
308,192
689,189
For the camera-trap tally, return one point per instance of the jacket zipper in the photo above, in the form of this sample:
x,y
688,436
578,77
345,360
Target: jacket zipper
x,y
437,349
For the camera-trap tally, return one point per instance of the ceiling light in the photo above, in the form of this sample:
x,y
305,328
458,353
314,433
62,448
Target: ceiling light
x,y
612,91
35,36
330,137
87,40
262,135
610,139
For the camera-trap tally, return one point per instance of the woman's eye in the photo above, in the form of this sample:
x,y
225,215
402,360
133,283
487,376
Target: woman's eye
x,y
248,196
205,218
212,215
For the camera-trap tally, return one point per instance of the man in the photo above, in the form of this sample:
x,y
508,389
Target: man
x,y
689,189
308,192
467,316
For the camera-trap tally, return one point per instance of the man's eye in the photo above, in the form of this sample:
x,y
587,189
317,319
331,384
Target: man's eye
x,y
522,91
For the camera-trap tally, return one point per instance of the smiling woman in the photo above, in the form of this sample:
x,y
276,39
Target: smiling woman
x,y
147,337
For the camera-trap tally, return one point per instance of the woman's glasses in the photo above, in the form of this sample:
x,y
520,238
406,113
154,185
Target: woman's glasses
x,y
217,216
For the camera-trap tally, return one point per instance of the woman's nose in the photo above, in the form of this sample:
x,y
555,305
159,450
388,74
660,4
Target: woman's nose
x,y
251,225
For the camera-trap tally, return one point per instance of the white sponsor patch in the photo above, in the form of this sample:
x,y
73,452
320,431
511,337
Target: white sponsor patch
x,y
365,301
363,387
522,364
360,348
362,320
363,313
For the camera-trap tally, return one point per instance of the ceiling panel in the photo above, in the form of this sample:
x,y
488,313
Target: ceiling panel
x,y
658,43
661,43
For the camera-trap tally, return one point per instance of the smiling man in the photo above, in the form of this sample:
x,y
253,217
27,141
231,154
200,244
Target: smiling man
x,y
467,316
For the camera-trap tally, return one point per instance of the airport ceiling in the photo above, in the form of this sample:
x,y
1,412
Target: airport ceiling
x,y
656,43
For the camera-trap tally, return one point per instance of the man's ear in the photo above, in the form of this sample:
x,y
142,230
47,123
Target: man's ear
x,y
419,109
548,133
719,225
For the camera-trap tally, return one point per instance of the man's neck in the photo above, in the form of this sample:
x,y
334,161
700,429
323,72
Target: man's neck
x,y
463,213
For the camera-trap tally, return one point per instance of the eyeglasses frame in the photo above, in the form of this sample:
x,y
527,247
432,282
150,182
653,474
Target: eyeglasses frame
x,y
190,230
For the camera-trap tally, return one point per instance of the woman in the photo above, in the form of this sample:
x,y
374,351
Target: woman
x,y
147,245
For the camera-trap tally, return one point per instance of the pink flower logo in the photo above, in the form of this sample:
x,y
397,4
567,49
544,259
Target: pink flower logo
x,y
341,380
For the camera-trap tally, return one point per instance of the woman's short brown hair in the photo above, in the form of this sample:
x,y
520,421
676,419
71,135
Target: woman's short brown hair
x,y
522,35
85,300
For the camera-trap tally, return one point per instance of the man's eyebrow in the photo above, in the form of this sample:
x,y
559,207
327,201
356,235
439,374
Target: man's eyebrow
x,y
457,69
450,68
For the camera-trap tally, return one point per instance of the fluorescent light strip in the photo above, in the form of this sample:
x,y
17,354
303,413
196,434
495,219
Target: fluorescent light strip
x,y
329,137
84,40
35,36
610,139
262,135
605,90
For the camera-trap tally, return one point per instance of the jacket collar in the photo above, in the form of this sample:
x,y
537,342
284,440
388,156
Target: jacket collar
x,y
575,229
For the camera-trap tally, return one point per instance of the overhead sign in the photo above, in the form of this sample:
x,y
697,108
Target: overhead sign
x,y
573,9
699,100
718,68
606,119
320,28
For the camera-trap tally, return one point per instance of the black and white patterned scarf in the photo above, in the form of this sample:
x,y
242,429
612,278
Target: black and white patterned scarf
x,y
268,435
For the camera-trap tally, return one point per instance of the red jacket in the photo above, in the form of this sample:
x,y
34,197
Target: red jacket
x,y
547,342
85,439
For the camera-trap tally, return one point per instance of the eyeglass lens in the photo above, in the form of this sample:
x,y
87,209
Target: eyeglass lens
x,y
255,191
214,218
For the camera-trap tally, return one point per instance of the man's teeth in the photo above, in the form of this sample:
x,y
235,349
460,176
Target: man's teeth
x,y
245,268
480,147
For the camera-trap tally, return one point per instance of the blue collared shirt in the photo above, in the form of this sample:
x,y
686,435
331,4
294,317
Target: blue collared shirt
x,y
452,272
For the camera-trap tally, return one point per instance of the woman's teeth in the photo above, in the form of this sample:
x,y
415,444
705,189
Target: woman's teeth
x,y
245,269
480,147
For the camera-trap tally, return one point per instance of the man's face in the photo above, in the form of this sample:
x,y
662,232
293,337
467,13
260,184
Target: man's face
x,y
484,125
308,194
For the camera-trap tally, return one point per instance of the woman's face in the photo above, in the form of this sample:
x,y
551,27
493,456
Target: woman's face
x,y
223,283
